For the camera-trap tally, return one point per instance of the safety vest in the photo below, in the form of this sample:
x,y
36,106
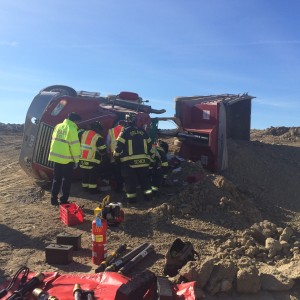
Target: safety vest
x,y
88,146
114,133
65,146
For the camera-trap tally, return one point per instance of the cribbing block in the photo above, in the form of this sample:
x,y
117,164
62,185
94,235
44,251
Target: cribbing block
x,y
164,288
137,287
69,239
59,254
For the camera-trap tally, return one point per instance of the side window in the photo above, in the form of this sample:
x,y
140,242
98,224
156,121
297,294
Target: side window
x,y
59,107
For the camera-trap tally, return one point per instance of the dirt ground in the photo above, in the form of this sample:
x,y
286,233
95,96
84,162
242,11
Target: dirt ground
x,y
262,179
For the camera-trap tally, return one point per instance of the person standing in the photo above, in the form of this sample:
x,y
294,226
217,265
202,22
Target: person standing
x,y
159,165
111,143
133,151
65,153
93,157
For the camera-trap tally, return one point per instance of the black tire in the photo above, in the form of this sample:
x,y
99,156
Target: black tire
x,y
45,185
63,89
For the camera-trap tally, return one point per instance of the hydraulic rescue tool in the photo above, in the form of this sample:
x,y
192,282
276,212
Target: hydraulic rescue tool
x,y
117,265
112,257
80,294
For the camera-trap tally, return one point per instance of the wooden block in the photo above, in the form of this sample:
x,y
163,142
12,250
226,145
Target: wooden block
x,y
69,239
59,254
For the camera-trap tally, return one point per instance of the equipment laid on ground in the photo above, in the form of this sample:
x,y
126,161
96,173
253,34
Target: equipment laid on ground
x,y
69,239
178,254
80,294
98,209
164,288
25,272
71,214
110,211
40,294
59,254
117,265
130,264
111,258
27,287
104,285
113,213
138,286
99,229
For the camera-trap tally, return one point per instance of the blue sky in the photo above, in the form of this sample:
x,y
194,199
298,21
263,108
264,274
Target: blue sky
x,y
160,49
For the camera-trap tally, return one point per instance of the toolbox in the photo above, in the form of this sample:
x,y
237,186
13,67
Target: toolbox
x,y
59,254
71,214
69,239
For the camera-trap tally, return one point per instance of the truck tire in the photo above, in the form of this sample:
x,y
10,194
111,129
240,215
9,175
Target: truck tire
x,y
63,89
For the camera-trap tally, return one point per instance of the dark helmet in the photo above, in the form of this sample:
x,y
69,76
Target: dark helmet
x,y
163,145
96,126
74,117
130,118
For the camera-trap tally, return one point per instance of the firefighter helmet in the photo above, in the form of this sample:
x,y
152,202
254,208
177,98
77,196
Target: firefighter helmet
x,y
130,118
96,126
74,117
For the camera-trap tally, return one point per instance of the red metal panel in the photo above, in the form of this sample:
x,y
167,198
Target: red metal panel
x,y
201,119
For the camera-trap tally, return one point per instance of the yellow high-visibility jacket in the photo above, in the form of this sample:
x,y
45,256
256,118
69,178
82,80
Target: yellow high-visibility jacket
x,y
65,145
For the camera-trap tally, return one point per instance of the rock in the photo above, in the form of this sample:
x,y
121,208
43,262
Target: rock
x,y
273,245
272,280
291,270
248,281
226,286
224,270
286,234
199,272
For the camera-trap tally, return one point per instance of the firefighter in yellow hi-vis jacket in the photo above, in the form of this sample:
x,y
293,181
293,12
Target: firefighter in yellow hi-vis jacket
x,y
133,152
93,156
65,153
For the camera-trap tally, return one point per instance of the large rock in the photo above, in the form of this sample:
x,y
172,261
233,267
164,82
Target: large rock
x,y
248,281
221,277
272,280
286,234
197,271
291,270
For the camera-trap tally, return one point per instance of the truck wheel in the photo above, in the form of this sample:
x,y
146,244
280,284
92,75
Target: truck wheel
x,y
63,89
45,185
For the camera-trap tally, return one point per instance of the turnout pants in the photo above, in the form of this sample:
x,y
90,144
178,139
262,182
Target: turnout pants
x,y
89,175
134,177
62,178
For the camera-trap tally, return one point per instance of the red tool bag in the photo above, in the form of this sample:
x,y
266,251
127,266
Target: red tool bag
x,y
104,285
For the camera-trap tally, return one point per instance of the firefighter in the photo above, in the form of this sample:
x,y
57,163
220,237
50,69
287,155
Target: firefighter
x,y
115,168
159,165
133,151
93,157
65,153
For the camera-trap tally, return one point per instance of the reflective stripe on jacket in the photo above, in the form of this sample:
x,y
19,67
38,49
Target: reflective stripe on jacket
x,y
65,146
133,147
159,158
113,134
92,144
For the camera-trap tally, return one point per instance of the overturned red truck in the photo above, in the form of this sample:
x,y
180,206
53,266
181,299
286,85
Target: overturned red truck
x,y
203,123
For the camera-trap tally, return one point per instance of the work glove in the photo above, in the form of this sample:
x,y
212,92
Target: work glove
x,y
75,166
